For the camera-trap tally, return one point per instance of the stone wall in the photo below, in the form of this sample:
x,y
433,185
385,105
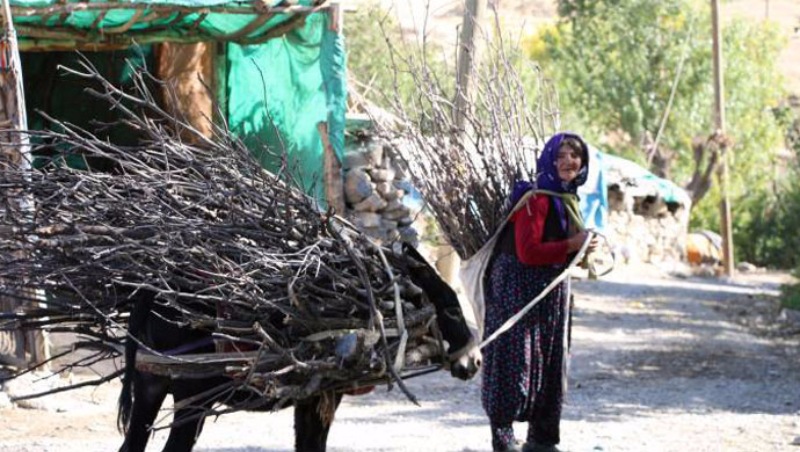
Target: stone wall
x,y
645,228
374,187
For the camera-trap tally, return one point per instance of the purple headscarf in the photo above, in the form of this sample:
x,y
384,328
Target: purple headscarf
x,y
547,173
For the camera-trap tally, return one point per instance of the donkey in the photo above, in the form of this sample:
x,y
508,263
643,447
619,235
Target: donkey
x,y
143,393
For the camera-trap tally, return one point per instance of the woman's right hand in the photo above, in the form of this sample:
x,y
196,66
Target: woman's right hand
x,y
575,242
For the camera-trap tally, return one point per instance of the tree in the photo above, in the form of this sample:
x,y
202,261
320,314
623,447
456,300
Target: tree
x,y
615,63
379,56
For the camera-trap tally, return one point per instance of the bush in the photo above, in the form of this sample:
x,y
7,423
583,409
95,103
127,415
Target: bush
x,y
790,294
378,54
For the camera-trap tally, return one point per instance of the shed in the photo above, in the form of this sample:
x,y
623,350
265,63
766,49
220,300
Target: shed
x,y
274,70
645,217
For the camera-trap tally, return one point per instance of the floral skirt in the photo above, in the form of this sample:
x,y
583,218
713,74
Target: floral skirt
x,y
524,369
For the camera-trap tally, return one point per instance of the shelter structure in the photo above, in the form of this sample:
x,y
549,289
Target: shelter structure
x,y
272,70
645,217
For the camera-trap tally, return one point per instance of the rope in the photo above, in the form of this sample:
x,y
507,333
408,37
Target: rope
x,y
575,260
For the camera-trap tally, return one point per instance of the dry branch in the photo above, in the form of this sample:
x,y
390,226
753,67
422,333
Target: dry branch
x,y
466,173
238,251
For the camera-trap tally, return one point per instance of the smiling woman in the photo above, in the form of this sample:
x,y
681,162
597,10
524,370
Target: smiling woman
x,y
524,375
570,158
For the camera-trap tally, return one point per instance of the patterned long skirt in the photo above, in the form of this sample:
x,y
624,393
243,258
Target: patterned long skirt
x,y
524,370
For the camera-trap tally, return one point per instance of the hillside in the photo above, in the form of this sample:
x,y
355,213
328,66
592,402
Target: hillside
x,y
786,16
523,16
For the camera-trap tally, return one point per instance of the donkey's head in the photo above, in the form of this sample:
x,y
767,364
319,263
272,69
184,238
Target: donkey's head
x,y
464,357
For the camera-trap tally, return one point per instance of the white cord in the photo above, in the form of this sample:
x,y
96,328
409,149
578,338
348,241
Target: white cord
x,y
516,317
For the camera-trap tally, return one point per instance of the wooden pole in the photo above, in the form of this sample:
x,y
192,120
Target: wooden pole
x,y
719,120
447,260
21,347
332,166
468,49
16,72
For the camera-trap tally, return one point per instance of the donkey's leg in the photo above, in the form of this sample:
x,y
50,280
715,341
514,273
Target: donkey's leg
x,y
312,421
189,419
149,392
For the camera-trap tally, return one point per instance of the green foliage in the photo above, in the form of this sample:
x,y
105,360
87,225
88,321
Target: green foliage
x,y
381,58
768,222
615,63
790,294
788,222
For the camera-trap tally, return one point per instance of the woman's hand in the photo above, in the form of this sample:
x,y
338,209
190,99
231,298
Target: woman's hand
x,y
575,242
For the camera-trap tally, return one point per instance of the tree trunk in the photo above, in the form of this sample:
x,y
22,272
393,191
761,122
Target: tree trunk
x,y
707,154
17,348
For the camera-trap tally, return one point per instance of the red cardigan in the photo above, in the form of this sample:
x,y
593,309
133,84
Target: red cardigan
x,y
529,224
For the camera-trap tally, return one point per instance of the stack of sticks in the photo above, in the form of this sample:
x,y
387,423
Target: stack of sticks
x,y
464,148
238,251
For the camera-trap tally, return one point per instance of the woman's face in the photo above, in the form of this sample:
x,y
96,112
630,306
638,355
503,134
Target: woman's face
x,y
568,163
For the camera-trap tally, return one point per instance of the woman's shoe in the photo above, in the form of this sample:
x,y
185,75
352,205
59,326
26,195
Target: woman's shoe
x,y
503,439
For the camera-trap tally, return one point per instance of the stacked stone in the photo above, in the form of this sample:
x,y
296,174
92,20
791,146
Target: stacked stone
x,y
642,239
374,187
646,230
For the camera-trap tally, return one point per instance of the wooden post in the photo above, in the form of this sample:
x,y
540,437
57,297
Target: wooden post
x,y
188,70
332,166
221,81
467,56
336,15
332,172
719,122
19,348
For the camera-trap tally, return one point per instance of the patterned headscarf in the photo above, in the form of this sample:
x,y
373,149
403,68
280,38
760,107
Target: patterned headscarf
x,y
547,172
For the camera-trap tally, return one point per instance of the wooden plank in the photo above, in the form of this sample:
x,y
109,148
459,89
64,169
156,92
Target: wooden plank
x,y
187,68
332,172
27,347
69,8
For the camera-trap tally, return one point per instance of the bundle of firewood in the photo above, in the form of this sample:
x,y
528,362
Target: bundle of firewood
x,y
465,149
238,251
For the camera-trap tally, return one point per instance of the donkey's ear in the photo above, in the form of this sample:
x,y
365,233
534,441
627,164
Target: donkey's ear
x,y
414,258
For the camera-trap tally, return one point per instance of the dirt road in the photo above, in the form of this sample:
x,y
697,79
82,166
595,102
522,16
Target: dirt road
x,y
659,364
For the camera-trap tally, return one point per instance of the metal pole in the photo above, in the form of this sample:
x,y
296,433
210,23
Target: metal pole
x,y
719,120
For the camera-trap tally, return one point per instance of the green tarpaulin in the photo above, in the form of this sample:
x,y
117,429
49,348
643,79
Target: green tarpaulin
x,y
277,92
148,20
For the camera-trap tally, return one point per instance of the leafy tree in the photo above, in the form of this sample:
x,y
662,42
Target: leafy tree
x,y
615,63
380,57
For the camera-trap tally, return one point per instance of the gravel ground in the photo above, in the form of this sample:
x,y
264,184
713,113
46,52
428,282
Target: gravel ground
x,y
660,363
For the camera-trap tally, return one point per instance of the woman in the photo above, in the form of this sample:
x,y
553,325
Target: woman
x,y
524,372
